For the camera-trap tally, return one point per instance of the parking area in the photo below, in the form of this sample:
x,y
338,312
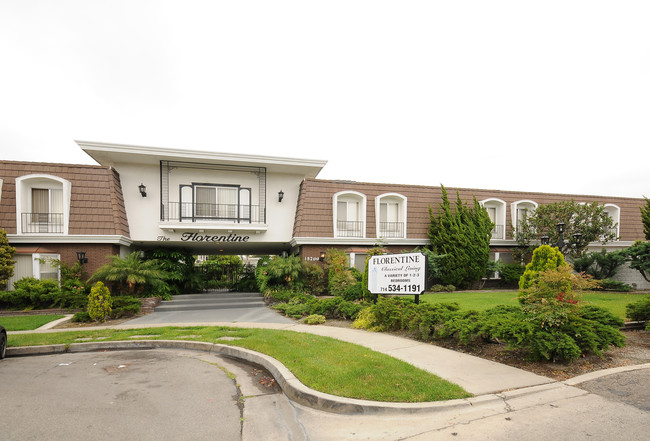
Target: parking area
x,y
143,395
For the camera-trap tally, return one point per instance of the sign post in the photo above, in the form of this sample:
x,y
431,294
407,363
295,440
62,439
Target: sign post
x,y
397,274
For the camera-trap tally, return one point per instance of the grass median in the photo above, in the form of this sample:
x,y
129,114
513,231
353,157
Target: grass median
x,y
321,363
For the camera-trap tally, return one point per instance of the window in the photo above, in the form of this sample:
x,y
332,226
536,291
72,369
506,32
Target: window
x,y
391,222
614,212
496,209
38,266
520,210
42,204
215,202
47,211
349,214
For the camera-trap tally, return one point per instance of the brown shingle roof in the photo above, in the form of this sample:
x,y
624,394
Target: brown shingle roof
x,y
314,210
96,202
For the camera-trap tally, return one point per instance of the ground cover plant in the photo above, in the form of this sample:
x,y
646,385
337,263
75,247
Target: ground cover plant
x,y
548,320
27,322
324,364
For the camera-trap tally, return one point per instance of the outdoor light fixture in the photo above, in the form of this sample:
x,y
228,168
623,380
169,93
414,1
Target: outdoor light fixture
x,y
143,190
561,244
81,257
322,256
280,196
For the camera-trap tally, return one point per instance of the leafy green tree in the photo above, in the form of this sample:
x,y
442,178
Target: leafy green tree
x,y
645,218
131,274
463,235
639,257
590,220
7,253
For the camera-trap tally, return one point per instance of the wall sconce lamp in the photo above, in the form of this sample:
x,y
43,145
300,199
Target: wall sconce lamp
x,y
143,190
280,196
322,256
81,257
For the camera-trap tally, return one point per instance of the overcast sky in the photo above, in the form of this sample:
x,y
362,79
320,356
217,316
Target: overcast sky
x,y
549,96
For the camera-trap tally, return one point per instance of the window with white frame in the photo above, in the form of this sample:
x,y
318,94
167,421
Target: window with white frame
x,y
42,204
521,210
215,202
39,266
349,214
496,210
614,212
391,219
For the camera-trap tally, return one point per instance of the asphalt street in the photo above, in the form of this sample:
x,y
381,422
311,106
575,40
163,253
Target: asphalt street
x,y
166,394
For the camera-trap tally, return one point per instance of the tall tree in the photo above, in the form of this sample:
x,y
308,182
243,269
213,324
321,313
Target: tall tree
x,y
463,236
590,220
645,218
6,259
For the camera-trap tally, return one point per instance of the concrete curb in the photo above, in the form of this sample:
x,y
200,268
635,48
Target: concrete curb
x,y
290,385
603,373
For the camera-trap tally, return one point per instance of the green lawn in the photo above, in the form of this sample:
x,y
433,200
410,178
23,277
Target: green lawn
x,y
482,300
27,322
322,363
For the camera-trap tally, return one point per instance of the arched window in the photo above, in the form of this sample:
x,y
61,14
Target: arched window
x,y
42,204
390,209
614,212
496,209
521,209
349,214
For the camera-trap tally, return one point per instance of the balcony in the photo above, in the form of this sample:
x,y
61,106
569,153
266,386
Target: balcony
x,y
391,229
349,228
42,223
203,212
499,232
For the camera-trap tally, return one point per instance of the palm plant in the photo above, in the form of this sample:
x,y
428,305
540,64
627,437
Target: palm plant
x,y
131,272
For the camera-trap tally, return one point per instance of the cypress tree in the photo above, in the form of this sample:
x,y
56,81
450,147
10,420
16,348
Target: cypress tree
x,y
463,236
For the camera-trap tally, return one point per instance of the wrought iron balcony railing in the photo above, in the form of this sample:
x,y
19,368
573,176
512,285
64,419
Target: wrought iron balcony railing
x,y
391,229
203,212
499,232
349,228
42,222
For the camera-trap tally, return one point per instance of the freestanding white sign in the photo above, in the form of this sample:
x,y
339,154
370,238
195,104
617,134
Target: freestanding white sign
x,y
397,274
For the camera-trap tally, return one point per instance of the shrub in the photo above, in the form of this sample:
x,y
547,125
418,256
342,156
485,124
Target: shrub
x,y
314,319
32,293
443,288
125,306
99,302
544,258
353,292
510,273
639,310
613,285
314,278
81,316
